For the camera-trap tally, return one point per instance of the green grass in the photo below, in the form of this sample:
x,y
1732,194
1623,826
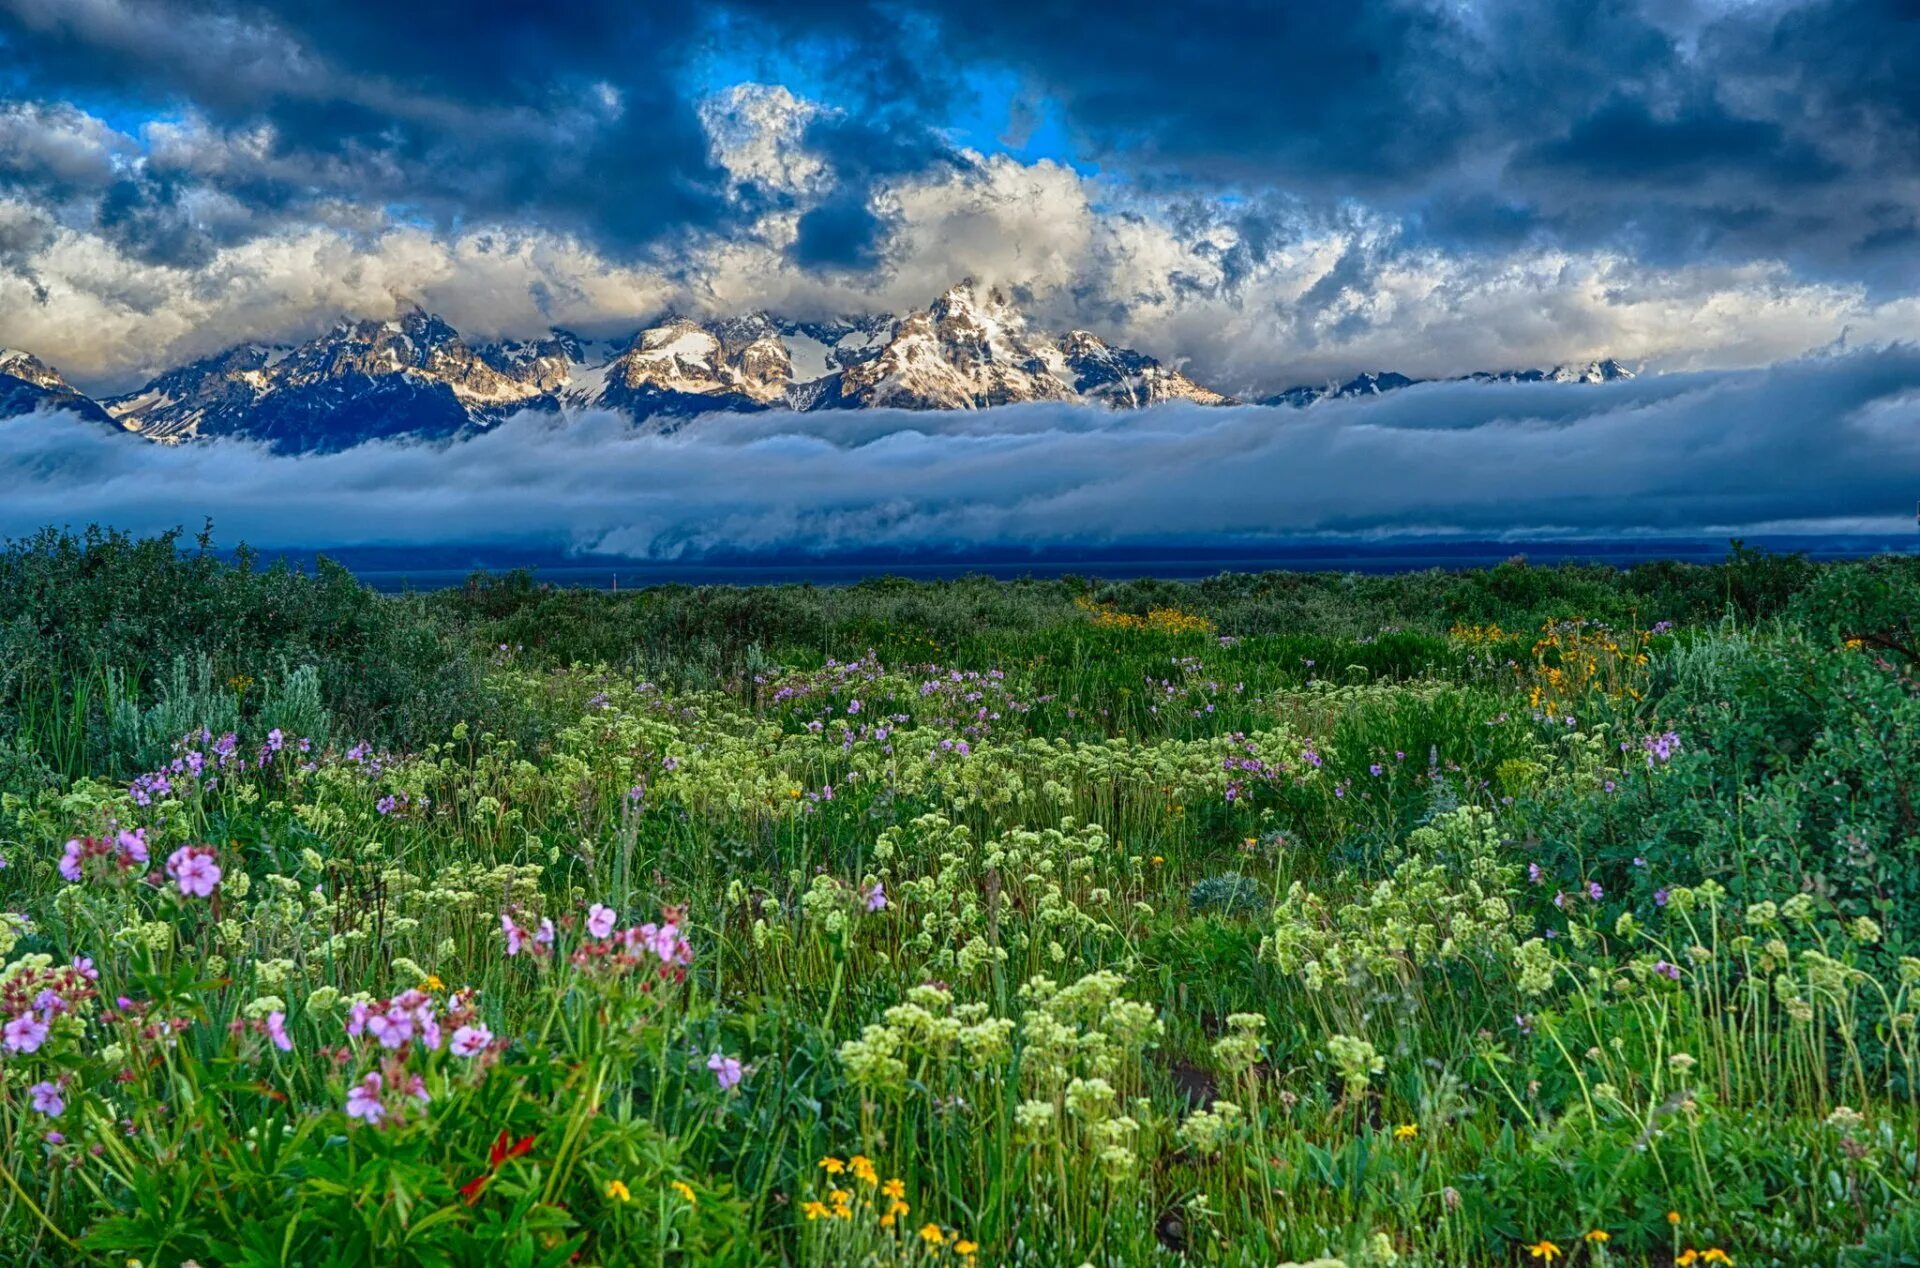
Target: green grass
x,y
1317,935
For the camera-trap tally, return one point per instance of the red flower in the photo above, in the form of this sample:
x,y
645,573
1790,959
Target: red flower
x,y
500,1152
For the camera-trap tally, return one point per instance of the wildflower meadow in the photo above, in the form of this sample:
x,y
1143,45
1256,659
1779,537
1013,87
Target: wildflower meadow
x,y
1555,916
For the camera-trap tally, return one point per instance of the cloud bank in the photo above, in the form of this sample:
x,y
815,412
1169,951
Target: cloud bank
x,y
1823,444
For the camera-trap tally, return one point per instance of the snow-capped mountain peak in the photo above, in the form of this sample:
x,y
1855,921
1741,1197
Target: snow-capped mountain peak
x,y
1376,383
966,350
413,375
28,385
31,369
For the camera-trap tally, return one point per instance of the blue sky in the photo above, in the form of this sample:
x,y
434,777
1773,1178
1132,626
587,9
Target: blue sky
x,y
1271,193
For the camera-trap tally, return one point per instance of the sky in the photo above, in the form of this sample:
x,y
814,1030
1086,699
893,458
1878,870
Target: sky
x,y
1267,194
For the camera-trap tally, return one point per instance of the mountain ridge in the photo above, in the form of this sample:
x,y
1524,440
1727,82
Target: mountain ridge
x,y
415,376
28,384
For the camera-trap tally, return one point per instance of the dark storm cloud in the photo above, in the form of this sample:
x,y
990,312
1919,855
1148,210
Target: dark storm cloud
x,y
145,218
844,232
1766,129
1820,444
575,119
1624,141
840,233
1672,128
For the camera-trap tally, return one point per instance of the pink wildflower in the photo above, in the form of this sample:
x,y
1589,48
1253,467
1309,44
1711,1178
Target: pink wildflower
x,y
727,1071
363,1101
194,871
24,1033
391,1028
471,1041
277,1031
133,845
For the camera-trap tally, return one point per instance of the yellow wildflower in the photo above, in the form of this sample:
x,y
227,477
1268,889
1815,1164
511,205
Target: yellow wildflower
x,y
1673,1217
1599,1235
685,1190
814,1210
1716,1256
1544,1250
862,1168
965,1247
931,1235
832,1165
1406,1131
433,983
617,1190
894,1188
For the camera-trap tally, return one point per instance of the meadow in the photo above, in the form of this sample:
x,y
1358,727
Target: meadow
x,y
1519,916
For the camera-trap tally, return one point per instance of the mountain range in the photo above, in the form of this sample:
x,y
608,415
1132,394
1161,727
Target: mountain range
x,y
416,376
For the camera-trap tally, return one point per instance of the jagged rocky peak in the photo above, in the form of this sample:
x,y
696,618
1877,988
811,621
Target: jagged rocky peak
x,y
742,357
545,365
28,385
31,369
1371,383
413,375
753,346
212,395
1123,378
414,341
1604,371
966,350
1376,383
